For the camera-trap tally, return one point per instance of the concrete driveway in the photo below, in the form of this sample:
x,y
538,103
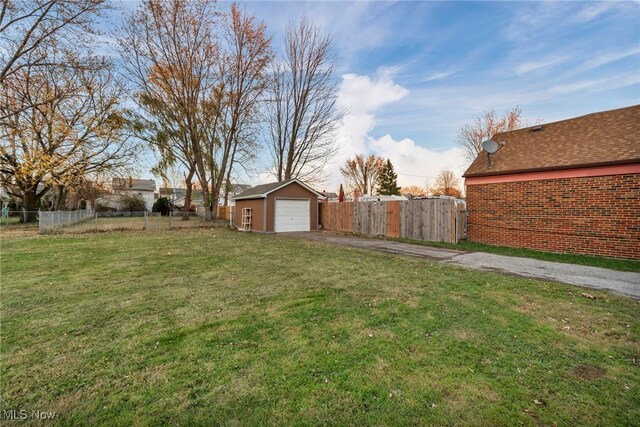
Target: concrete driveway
x,y
619,282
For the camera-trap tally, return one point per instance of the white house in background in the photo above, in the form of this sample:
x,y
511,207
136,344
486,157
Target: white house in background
x,y
233,191
380,198
142,187
176,195
5,197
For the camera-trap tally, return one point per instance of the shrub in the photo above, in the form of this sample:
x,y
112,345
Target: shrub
x,y
162,205
132,203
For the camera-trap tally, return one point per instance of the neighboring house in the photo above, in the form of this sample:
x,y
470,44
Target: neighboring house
x,y
571,186
5,197
177,196
172,194
109,203
142,187
235,190
329,196
278,207
381,198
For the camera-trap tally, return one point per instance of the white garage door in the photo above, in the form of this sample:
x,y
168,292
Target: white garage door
x,y
292,215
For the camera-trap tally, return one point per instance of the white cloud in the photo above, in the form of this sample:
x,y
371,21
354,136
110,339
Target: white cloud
x,y
593,11
606,58
415,164
530,19
361,94
364,96
598,85
528,67
439,75
361,97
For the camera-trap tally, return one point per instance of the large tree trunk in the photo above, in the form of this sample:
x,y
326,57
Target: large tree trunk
x,y
61,198
187,195
206,195
227,181
226,191
215,201
29,201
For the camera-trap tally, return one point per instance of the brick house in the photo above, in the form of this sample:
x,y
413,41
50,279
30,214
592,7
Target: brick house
x,y
571,186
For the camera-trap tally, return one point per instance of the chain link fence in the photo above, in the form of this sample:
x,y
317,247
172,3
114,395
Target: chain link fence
x,y
51,220
84,221
120,221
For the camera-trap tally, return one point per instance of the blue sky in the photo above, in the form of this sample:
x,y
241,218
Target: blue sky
x,y
412,73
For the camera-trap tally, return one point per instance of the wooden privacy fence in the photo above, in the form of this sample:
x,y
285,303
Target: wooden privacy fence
x,y
438,220
225,212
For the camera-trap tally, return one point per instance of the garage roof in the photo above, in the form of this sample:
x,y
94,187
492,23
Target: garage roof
x,y
261,191
597,139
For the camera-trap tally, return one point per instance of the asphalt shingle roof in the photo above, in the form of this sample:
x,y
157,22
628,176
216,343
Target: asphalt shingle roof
x,y
604,138
134,184
259,190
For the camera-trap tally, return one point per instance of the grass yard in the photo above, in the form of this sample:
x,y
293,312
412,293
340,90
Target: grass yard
x,y
11,220
202,327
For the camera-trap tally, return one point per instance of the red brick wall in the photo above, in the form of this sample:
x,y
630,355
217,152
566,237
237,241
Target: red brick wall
x,y
592,216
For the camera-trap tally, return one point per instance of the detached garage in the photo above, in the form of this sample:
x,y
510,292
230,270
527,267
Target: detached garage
x,y
280,207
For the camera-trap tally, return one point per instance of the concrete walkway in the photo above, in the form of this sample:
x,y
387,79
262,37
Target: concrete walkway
x,y
619,282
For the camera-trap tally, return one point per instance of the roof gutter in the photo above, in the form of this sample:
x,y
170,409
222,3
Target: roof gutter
x,y
551,168
618,169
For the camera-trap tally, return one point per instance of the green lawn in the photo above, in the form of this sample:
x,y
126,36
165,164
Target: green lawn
x,y
12,220
202,327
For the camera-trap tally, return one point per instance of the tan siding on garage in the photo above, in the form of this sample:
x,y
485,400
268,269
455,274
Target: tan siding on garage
x,y
257,220
292,191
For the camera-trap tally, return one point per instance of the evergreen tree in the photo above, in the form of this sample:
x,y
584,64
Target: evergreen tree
x,y
388,181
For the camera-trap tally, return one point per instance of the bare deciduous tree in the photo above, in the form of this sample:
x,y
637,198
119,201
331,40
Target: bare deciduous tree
x,y
61,125
26,25
244,68
447,184
170,52
415,190
303,114
362,172
200,75
484,126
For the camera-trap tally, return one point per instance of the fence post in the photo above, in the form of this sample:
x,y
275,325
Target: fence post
x,y
96,222
145,220
170,215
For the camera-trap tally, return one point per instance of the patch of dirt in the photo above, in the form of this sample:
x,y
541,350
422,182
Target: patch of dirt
x,y
10,232
588,372
464,335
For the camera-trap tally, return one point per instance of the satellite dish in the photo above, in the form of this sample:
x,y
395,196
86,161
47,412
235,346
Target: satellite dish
x,y
490,146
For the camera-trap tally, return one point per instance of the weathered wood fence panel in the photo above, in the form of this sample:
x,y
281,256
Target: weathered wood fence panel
x,y
224,212
461,224
337,216
439,220
377,218
393,219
